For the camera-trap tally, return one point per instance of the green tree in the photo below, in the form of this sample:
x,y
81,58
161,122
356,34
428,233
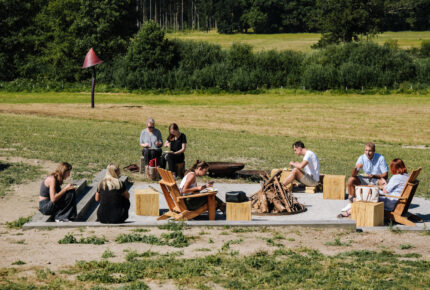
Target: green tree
x,y
69,28
345,20
17,38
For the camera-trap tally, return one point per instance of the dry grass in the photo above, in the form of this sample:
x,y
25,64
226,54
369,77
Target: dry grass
x,y
294,41
340,118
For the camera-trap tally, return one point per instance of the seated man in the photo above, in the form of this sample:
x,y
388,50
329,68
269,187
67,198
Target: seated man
x,y
310,165
151,141
373,164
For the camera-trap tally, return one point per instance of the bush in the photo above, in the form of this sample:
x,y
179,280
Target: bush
x,y
319,77
425,48
423,70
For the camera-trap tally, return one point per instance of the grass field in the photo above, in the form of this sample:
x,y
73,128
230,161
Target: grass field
x,y
284,269
294,41
255,129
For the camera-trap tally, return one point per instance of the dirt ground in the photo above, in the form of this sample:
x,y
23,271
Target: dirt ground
x,y
40,248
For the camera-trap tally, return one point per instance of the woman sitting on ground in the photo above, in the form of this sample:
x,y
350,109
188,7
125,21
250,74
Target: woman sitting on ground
x,y
189,186
395,185
57,202
113,197
177,142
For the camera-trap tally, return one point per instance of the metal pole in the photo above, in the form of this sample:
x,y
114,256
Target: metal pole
x,y
93,84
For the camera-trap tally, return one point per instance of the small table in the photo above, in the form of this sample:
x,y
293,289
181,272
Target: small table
x,y
238,211
146,202
368,214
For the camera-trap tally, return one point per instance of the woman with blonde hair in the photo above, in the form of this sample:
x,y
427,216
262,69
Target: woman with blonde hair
x,y
56,201
189,186
113,197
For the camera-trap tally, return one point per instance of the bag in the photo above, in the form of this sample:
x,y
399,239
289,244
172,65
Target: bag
x,y
132,168
153,162
367,193
235,196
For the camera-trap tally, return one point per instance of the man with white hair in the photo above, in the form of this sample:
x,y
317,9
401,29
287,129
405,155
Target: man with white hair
x,y
151,141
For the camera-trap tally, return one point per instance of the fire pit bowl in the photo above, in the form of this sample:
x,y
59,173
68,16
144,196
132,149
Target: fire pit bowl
x,y
224,169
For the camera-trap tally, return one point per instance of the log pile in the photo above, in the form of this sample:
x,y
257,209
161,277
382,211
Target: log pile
x,y
273,197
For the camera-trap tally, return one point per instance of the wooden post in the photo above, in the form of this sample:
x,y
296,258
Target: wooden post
x,y
334,187
180,169
240,211
146,202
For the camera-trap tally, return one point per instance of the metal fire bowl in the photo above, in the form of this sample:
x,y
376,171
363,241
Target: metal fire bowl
x,y
224,169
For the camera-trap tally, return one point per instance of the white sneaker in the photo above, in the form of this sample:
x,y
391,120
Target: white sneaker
x,y
347,207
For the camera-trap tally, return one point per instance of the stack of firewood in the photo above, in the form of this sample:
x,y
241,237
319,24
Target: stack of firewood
x,y
273,197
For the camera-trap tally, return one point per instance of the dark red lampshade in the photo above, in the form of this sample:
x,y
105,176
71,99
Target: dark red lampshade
x,y
91,59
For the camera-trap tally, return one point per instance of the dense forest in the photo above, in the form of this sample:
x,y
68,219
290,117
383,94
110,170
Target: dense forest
x,y
44,41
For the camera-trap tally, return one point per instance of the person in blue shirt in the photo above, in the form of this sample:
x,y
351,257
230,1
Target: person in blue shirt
x,y
375,170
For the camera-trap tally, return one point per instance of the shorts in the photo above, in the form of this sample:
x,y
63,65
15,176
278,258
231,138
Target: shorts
x,y
308,180
364,180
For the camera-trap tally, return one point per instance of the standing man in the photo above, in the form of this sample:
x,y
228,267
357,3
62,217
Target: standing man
x,y
151,141
310,165
373,164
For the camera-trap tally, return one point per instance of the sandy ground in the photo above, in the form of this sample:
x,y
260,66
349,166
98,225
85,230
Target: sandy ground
x,y
40,248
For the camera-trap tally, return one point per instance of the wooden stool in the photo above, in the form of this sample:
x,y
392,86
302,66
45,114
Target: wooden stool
x,y
334,187
146,202
142,165
368,214
284,174
238,211
180,169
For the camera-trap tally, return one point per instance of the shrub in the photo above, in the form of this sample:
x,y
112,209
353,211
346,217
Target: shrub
x,y
319,77
423,70
425,48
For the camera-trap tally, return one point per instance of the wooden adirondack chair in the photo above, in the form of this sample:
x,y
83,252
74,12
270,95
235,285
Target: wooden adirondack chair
x,y
400,213
177,208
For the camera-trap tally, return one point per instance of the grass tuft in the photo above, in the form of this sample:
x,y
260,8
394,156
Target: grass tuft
x,y
18,223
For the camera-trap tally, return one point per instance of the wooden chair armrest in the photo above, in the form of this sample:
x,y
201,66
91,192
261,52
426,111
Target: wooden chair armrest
x,y
197,195
393,196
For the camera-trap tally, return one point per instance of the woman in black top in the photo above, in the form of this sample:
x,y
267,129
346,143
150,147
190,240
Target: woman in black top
x,y
113,197
57,202
177,142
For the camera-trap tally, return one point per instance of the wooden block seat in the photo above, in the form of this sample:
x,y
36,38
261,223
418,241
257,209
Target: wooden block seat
x,y
368,214
238,211
146,202
334,187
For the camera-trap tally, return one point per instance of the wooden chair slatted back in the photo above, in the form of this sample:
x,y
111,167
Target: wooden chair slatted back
x,y
171,191
408,192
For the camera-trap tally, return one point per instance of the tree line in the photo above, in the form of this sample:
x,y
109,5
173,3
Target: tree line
x,y
46,40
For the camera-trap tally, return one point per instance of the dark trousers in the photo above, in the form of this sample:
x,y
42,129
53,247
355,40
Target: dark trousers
x,y
197,202
171,160
64,208
151,154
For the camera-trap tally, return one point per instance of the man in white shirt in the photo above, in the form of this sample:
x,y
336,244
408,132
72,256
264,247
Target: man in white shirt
x,y
307,171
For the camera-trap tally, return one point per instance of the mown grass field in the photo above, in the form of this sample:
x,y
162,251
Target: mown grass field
x,y
255,129
294,41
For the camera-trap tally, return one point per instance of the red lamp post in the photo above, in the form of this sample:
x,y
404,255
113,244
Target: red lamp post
x,y
91,60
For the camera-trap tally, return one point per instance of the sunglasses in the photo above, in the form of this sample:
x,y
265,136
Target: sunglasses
x,y
151,127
